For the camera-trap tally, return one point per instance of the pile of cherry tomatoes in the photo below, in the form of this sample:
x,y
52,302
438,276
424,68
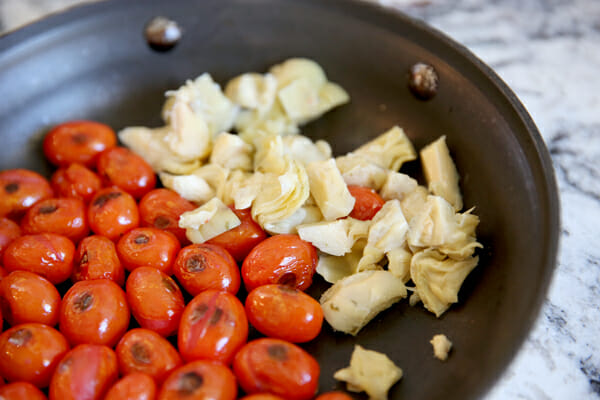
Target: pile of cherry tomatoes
x,y
102,235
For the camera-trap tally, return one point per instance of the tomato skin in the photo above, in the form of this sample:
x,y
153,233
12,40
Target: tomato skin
x,y
75,181
283,312
78,142
155,299
28,297
278,367
335,395
367,203
21,391
136,386
63,216
150,247
46,254
94,312
121,167
200,379
204,266
30,352
9,231
84,373
19,190
143,350
213,326
283,259
241,239
96,258
112,212
161,208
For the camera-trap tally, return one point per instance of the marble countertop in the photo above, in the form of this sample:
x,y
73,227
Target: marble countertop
x,y
548,52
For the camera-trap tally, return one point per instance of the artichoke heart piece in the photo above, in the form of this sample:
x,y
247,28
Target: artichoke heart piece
x,y
440,172
358,170
334,268
329,189
441,346
253,91
389,150
399,262
397,186
269,156
301,148
208,221
231,152
191,187
296,68
334,237
188,135
307,214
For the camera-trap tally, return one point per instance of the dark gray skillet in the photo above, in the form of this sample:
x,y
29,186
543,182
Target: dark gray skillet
x,y
92,62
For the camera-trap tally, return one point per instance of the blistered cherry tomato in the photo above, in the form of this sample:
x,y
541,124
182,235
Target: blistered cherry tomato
x,y
85,373
112,212
367,203
336,395
19,190
47,254
278,367
96,258
262,396
283,259
78,142
75,181
161,209
200,380
241,239
143,350
30,353
155,300
204,266
150,247
284,312
213,326
136,386
121,167
29,297
9,231
21,391
64,216
94,312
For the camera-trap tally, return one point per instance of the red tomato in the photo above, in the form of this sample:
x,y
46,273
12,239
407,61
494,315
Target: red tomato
x,y
200,267
78,142
94,312
63,216
213,326
9,231
75,181
200,380
143,350
155,300
20,189
96,258
112,212
262,396
283,259
47,254
368,202
136,386
21,391
336,395
284,312
150,247
30,353
241,239
85,373
121,167
161,209
278,367
28,297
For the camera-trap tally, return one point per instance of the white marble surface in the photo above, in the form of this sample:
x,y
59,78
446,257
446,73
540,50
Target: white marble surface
x,y
548,51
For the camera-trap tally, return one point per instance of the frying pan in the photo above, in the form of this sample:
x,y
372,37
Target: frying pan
x,y
92,62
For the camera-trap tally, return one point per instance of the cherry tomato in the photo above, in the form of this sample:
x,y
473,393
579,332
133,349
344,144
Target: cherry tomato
x,y
155,300
94,312
150,247
63,216
28,297
9,231
78,142
161,209
19,190
121,167
278,367
284,259
85,373
262,396
30,353
213,326
368,202
136,386
112,212
200,380
336,395
75,181
46,254
96,258
143,350
204,266
21,391
284,312
241,239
